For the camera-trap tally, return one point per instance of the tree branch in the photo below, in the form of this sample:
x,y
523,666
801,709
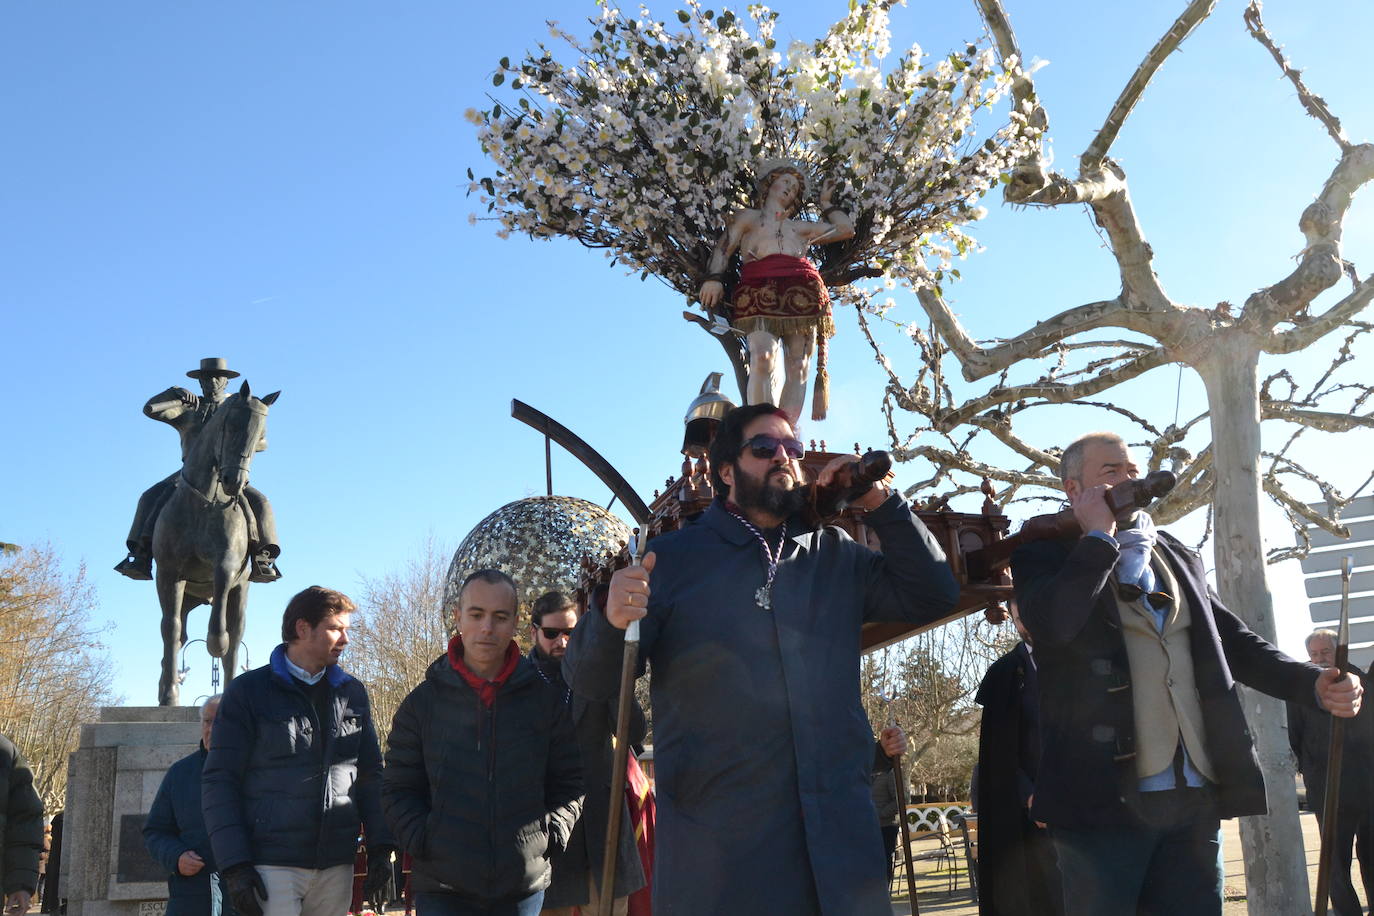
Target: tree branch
x,y
1311,330
1316,419
1191,17
1052,392
1315,104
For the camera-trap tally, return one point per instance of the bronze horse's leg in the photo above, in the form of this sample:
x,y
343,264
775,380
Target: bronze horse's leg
x,y
230,573
234,622
171,592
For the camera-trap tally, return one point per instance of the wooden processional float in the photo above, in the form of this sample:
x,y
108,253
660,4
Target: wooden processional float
x,y
686,496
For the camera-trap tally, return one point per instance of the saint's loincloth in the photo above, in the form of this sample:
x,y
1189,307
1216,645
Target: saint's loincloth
x,y
783,295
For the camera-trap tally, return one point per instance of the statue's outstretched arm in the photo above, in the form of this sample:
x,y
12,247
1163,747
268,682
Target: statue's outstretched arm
x,y
170,404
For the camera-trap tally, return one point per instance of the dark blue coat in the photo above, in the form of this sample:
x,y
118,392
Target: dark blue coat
x,y
174,826
762,750
1087,717
280,787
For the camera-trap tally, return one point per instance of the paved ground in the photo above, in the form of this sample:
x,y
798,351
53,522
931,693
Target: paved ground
x,y
933,879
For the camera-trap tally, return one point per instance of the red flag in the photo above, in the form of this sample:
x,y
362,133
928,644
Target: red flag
x,y
639,795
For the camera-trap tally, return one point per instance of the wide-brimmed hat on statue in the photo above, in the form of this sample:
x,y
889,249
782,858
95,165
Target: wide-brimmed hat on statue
x,y
213,368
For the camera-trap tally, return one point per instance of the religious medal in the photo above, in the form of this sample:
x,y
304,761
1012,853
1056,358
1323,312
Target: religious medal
x,y
763,595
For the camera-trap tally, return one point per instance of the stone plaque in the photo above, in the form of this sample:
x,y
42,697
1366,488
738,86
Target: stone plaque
x,y
135,862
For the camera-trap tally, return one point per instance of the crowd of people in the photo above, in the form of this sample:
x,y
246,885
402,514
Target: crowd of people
x,y
1114,738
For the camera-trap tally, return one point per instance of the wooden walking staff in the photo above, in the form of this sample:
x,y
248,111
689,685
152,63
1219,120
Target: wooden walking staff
x,y
621,753
900,784
1333,754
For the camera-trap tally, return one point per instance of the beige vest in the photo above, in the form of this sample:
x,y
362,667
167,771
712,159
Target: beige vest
x,y
1163,687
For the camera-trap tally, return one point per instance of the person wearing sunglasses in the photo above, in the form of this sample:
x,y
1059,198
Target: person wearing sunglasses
x,y
750,625
577,869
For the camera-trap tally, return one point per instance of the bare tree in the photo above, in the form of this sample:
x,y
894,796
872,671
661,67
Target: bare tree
x,y
400,627
54,674
932,679
1146,329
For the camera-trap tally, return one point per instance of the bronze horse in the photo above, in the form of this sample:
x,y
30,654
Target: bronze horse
x,y
200,540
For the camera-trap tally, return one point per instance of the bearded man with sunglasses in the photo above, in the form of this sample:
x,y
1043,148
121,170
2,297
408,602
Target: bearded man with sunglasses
x,y
577,869
750,624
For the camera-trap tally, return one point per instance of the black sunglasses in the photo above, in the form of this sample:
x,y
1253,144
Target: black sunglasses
x,y
554,632
765,447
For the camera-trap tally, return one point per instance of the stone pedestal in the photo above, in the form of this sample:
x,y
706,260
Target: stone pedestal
x,y
111,781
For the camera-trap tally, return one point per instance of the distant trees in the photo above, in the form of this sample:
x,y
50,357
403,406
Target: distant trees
x,y
399,628
932,679
54,674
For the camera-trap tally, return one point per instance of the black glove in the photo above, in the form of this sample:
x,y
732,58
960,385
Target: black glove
x,y
244,886
378,873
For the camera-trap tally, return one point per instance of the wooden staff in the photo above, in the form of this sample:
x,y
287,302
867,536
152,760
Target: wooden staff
x,y
899,783
1334,752
621,753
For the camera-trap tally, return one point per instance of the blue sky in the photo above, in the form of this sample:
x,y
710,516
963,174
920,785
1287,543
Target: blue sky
x,y
283,184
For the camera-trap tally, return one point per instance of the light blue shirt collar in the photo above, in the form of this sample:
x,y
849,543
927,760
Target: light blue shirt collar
x,y
300,673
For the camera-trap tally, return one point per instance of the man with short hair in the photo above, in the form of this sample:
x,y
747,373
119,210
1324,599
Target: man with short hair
x,y
294,770
21,830
1144,745
482,781
175,831
1309,735
577,870
751,622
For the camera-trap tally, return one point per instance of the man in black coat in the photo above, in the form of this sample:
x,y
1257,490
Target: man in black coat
x,y
294,771
1144,742
1017,871
482,781
577,870
175,832
1309,734
21,830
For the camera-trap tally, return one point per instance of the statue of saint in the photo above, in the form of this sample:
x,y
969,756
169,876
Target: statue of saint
x,y
187,413
780,299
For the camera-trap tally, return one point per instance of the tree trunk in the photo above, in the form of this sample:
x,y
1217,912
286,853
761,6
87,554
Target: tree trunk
x,y
1275,862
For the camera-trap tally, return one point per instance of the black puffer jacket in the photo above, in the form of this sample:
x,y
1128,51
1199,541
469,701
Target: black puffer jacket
x,y
21,820
479,796
281,787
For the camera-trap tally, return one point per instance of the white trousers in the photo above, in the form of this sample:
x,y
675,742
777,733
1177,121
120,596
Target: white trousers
x,y
307,891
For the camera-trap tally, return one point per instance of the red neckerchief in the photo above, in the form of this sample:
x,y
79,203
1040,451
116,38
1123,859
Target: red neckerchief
x,y
486,689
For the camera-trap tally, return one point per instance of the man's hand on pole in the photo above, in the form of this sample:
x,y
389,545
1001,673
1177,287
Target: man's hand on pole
x,y
1340,692
893,740
628,598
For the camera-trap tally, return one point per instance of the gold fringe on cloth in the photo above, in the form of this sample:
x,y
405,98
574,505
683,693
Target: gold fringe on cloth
x,y
824,325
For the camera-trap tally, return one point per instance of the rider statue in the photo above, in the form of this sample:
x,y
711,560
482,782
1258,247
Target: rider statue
x,y
780,296
187,414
